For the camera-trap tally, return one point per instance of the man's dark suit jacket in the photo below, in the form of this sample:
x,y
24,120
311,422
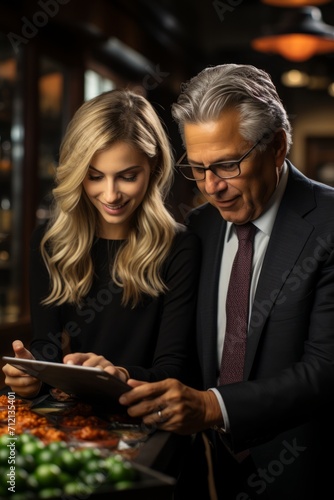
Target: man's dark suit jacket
x,y
282,409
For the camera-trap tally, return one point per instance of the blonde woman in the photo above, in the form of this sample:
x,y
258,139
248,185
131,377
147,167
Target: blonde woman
x,y
113,275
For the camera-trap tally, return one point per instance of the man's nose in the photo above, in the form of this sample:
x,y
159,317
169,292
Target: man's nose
x,y
213,183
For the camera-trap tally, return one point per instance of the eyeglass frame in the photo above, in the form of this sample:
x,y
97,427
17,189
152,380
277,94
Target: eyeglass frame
x,y
179,165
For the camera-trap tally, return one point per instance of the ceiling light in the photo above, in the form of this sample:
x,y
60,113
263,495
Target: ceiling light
x,y
294,3
331,89
294,78
299,36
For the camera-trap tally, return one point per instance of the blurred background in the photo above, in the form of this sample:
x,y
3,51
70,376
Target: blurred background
x,y
54,54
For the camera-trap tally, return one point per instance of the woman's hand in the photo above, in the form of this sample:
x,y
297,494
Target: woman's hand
x,y
20,382
172,406
96,361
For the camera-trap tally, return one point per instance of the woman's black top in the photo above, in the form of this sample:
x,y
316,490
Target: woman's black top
x,y
153,340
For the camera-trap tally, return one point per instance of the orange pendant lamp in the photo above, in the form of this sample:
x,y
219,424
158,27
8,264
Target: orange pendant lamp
x,y
300,35
294,3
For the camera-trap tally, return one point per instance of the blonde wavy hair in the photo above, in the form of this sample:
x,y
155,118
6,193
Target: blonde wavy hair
x,y
116,116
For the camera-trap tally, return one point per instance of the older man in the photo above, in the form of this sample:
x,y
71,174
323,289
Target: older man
x,y
268,361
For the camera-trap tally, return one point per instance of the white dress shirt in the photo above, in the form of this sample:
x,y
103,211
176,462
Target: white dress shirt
x,y
264,225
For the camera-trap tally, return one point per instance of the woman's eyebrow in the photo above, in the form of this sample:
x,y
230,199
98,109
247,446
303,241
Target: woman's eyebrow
x,y
95,169
119,172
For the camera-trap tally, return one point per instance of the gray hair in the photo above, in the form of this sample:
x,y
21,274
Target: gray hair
x,y
243,87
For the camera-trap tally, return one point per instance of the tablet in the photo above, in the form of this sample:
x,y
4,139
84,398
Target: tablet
x,y
86,383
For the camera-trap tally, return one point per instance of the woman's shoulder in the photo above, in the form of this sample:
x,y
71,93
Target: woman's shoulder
x,y
185,242
186,236
184,255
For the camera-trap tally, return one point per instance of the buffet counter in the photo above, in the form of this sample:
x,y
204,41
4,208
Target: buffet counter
x,y
96,438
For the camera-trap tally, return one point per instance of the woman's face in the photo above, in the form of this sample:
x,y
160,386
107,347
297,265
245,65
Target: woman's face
x,y
116,183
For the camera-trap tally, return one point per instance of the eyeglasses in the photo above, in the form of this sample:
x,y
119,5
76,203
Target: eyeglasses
x,y
222,169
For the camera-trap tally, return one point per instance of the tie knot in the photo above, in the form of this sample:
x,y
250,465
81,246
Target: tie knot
x,y
245,231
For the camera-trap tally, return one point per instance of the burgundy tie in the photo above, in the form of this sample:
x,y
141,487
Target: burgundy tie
x,y
237,307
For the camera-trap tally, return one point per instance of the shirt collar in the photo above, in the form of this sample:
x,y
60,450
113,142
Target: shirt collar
x,y
265,222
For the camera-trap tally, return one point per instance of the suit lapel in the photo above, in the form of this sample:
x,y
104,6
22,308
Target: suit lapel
x,y
289,235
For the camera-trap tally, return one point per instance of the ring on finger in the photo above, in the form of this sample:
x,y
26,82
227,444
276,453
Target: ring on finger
x,y
162,418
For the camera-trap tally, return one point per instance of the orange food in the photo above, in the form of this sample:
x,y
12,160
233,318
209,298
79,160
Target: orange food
x,y
3,415
82,421
48,434
88,433
6,401
28,419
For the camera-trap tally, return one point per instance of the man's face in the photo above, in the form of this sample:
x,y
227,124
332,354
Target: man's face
x,y
243,198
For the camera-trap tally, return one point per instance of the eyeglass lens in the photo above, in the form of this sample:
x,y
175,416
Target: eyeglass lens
x,y
224,171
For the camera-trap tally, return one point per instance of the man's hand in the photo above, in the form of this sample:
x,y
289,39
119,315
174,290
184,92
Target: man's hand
x,y
20,382
172,406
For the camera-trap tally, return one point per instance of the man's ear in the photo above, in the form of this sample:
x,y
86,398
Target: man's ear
x,y
279,145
